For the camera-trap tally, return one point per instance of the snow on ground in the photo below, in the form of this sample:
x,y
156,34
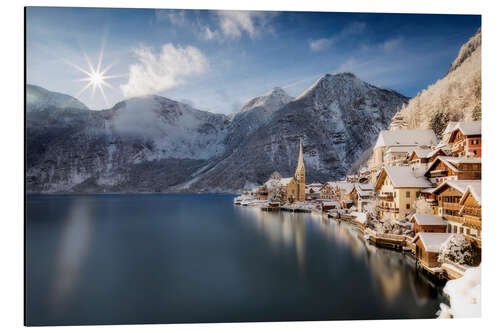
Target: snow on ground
x,y
465,296
360,217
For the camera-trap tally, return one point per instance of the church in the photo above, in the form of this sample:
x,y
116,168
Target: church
x,y
294,187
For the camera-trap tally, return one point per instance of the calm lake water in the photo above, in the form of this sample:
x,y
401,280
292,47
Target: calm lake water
x,y
170,258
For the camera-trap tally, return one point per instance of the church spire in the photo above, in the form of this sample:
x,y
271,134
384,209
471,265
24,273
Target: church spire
x,y
300,171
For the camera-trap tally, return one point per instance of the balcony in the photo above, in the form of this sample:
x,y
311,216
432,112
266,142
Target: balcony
x,y
453,218
439,173
472,221
386,196
388,209
432,202
451,206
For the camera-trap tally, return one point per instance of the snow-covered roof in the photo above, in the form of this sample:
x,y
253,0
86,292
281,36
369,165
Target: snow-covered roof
x,y
453,162
399,149
475,190
459,185
331,203
414,137
364,189
428,219
427,190
450,127
404,176
422,153
432,241
344,186
285,181
468,127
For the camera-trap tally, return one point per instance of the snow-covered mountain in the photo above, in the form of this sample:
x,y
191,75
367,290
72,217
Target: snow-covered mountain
x,y
157,144
39,99
338,118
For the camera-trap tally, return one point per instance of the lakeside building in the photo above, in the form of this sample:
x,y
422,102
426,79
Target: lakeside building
x,y
459,203
336,190
453,168
465,139
428,223
361,195
294,188
313,191
397,189
427,245
403,139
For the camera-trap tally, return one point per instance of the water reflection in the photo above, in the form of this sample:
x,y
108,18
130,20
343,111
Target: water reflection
x,y
392,273
72,250
282,229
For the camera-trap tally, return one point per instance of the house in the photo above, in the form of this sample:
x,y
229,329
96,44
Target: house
x,y
362,194
465,139
449,195
422,156
336,190
329,205
313,191
398,122
428,223
397,189
328,191
453,168
400,138
397,155
427,246
470,210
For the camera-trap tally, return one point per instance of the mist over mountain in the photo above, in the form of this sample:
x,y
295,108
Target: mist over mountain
x,y
39,99
153,143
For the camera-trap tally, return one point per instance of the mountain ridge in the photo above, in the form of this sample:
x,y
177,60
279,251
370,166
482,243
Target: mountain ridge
x,y
153,143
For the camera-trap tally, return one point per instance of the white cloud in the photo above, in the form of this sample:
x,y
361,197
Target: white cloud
x,y
160,72
175,17
233,25
391,44
351,29
320,44
209,34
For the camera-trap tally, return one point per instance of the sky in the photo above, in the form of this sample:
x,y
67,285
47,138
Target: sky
x,y
217,60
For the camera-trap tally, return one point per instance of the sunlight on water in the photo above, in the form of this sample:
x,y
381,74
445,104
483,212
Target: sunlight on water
x,y
72,250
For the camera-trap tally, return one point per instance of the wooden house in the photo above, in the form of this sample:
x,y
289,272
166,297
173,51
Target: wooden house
x,y
427,246
445,168
465,139
470,210
449,195
422,156
428,223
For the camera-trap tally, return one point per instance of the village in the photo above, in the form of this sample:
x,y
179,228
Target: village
x,y
418,193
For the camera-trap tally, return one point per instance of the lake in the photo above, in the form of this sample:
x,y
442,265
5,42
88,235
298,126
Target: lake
x,y
184,258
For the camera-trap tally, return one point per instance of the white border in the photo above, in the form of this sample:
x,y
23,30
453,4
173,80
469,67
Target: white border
x,y
11,241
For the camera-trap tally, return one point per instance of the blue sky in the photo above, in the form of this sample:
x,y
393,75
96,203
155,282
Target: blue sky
x,y
217,60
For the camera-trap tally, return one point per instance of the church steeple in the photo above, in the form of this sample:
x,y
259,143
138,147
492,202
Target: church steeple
x,y
300,164
300,175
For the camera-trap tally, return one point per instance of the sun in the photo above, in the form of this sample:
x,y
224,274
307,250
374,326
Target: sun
x,y
95,76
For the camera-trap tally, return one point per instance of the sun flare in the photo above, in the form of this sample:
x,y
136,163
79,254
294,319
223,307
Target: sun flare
x,y
96,77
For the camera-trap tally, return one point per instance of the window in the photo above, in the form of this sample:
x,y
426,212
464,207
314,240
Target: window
x,y
407,194
475,152
407,206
